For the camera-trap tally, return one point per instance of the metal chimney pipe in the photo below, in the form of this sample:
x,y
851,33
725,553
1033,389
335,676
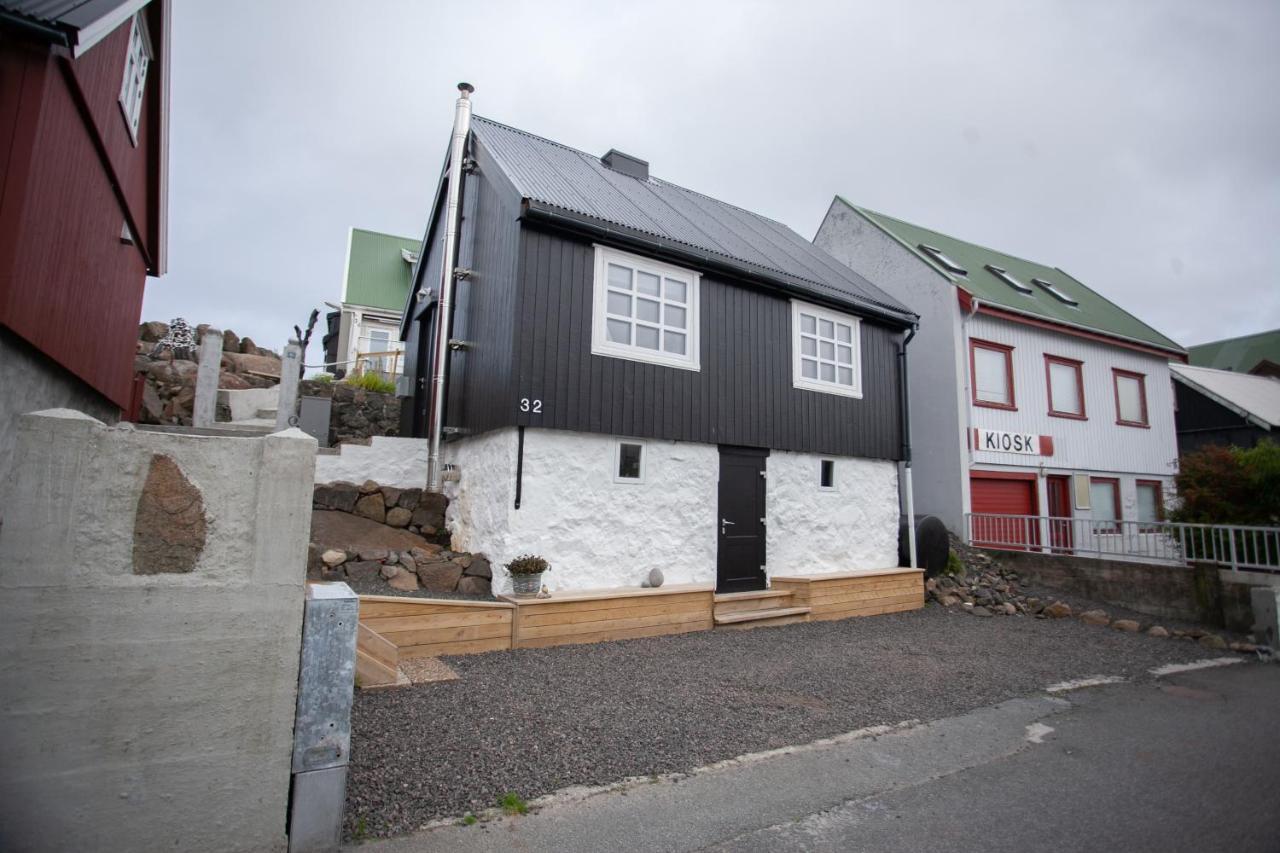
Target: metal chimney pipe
x,y
448,274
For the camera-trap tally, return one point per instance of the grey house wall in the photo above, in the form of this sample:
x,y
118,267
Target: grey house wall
x,y
938,448
32,382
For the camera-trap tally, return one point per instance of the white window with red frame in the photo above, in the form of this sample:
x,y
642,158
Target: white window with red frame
x,y
991,366
1064,378
1131,398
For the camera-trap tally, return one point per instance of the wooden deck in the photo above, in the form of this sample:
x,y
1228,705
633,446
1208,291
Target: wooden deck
x,y
397,627
843,595
596,616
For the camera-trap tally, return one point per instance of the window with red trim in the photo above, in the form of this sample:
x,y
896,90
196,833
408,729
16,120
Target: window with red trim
x,y
1150,504
991,367
1064,378
1131,397
1104,497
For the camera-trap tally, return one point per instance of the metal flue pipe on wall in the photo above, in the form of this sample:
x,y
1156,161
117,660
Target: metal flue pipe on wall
x,y
448,275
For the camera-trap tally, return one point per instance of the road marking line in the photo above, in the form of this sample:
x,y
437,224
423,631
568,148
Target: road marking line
x,y
1078,683
1036,732
1173,668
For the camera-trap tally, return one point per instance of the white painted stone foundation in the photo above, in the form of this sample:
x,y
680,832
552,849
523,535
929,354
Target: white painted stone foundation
x,y
600,533
387,460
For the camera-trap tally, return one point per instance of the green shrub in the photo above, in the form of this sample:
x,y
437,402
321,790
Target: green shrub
x,y
372,382
321,377
1228,485
954,567
527,564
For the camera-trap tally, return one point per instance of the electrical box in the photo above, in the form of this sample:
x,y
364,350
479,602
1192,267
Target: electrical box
x,y
322,723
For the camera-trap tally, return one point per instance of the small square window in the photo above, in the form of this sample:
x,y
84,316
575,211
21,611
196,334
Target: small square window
x,y
628,462
827,474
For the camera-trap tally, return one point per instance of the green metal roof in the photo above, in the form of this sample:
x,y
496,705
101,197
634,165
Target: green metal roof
x,y
378,276
1093,312
1238,354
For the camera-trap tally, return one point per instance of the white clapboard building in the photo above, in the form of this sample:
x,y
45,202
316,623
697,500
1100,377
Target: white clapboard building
x,y
1032,396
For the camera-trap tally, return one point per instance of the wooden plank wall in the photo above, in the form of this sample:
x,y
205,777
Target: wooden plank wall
x,y
599,618
846,595
423,627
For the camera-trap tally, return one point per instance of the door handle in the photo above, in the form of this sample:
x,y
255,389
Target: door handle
x,y
723,523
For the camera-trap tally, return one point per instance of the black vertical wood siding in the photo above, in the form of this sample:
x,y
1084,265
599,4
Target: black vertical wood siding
x,y
480,375
742,395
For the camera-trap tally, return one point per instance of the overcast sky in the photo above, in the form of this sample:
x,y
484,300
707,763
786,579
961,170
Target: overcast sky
x,y
1135,145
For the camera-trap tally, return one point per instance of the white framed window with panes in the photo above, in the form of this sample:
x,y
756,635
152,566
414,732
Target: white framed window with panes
x,y
134,84
826,350
644,310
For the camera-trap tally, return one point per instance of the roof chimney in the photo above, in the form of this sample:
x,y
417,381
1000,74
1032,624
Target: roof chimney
x,y
626,164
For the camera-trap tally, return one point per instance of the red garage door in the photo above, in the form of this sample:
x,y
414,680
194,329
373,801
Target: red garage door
x,y
997,504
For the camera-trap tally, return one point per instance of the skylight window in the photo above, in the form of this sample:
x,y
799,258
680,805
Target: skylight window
x,y
1052,289
936,253
1003,275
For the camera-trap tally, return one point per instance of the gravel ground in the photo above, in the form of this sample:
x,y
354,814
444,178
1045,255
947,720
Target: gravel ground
x,y
536,720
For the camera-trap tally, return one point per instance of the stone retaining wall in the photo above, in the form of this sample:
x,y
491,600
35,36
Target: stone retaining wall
x,y
399,539
357,415
1194,593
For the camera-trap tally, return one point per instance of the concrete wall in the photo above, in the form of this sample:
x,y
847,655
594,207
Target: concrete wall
x,y
33,381
600,533
244,403
938,447
149,711
397,462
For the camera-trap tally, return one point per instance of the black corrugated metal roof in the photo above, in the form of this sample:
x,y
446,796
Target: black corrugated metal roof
x,y
545,171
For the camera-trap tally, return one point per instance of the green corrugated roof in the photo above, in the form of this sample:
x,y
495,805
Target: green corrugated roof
x,y
1238,354
377,273
1093,312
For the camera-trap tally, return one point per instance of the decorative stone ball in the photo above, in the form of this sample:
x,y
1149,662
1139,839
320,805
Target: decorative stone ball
x,y
655,578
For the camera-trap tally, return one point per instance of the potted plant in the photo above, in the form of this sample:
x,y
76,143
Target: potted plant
x,y
526,575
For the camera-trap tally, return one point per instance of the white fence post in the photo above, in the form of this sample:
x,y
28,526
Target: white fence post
x,y
290,368
205,408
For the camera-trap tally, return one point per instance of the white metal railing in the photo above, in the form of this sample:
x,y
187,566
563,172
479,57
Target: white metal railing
x,y
1234,546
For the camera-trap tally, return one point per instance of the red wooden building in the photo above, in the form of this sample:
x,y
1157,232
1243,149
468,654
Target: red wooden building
x,y
83,153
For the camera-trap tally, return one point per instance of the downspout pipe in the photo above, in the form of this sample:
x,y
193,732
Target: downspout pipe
x,y
904,391
448,275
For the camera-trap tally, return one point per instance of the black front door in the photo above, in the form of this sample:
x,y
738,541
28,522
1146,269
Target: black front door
x,y
740,524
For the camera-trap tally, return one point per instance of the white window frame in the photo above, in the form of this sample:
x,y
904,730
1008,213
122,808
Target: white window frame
x,y
134,83
617,461
600,343
798,379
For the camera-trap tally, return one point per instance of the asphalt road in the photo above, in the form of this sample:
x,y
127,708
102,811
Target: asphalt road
x,y
1187,762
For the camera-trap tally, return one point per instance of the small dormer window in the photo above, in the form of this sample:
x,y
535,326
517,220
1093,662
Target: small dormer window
x,y
135,75
938,255
1003,275
1052,289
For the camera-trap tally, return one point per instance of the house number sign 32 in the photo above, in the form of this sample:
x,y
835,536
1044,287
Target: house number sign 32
x,y
527,405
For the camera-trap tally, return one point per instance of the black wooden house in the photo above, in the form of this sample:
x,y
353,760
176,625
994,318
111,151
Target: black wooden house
x,y
596,306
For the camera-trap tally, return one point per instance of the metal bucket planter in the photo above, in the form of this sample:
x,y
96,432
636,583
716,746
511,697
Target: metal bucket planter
x,y
526,585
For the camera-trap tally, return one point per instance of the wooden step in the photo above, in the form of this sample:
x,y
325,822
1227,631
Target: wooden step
x,y
761,618
761,599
